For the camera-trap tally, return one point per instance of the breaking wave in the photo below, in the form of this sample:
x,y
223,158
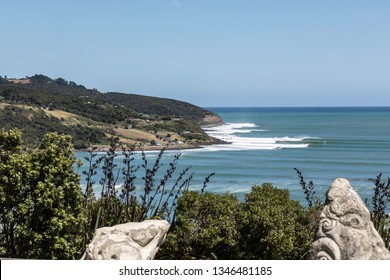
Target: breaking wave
x,y
234,133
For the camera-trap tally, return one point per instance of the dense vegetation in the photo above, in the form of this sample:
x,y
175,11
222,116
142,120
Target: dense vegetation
x,y
70,98
35,123
103,107
98,114
44,213
41,211
267,225
157,106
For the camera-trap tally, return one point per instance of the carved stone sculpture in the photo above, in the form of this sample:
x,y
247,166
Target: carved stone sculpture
x,y
345,231
130,241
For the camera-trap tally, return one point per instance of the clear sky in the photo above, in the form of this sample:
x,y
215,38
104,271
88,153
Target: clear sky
x,y
207,52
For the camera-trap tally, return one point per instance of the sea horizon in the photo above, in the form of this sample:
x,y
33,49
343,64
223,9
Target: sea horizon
x,y
352,107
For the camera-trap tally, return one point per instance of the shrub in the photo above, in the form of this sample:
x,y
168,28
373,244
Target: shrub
x,y
267,225
205,228
273,226
40,199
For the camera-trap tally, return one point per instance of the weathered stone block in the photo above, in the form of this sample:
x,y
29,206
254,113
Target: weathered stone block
x,y
345,231
130,241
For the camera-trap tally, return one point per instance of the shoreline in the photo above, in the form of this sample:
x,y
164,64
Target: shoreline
x,y
194,146
145,148
157,148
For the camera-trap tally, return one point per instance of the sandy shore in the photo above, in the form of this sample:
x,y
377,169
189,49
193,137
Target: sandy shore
x,y
149,148
159,148
105,148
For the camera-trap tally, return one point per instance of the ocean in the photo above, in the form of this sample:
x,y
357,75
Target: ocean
x,y
268,143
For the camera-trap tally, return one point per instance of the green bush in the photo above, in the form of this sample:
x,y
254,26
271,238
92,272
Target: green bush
x,y
267,225
205,228
273,226
41,211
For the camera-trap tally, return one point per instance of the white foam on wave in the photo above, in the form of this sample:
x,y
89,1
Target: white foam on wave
x,y
228,133
231,128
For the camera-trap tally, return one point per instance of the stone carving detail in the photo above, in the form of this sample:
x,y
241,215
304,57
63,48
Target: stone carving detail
x,y
130,241
345,231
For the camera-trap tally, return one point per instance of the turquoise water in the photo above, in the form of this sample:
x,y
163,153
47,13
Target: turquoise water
x,y
268,143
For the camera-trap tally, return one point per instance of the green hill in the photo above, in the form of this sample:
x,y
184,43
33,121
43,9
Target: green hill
x,y
39,104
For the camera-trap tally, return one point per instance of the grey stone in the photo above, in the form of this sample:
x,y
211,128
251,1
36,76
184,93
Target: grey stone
x,y
345,230
130,241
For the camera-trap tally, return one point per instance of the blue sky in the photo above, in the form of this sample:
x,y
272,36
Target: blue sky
x,y
210,53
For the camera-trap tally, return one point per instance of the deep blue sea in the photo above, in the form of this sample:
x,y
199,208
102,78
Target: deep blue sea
x,y
268,143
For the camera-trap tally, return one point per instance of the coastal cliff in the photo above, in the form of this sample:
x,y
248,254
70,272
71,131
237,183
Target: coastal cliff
x,y
212,120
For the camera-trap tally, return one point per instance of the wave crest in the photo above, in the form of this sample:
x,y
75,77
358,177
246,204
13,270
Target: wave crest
x,y
232,133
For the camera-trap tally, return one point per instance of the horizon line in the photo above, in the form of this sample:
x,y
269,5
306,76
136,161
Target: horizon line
x,y
315,106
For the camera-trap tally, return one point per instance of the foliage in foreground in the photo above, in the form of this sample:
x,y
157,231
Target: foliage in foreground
x,y
378,208
380,199
155,199
274,226
204,228
41,212
44,214
267,225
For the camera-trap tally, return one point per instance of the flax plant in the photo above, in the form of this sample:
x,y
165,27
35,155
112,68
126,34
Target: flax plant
x,y
121,203
380,199
308,189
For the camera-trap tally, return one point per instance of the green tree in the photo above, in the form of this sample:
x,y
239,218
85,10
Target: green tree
x,y
267,225
273,226
41,200
205,228
12,172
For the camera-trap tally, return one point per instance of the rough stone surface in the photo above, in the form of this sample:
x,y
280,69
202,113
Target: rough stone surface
x,y
345,231
130,241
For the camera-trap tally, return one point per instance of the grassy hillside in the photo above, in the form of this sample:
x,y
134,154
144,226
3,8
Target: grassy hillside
x,y
35,122
39,104
59,94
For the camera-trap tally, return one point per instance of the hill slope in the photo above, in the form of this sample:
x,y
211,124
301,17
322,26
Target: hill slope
x,y
39,104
